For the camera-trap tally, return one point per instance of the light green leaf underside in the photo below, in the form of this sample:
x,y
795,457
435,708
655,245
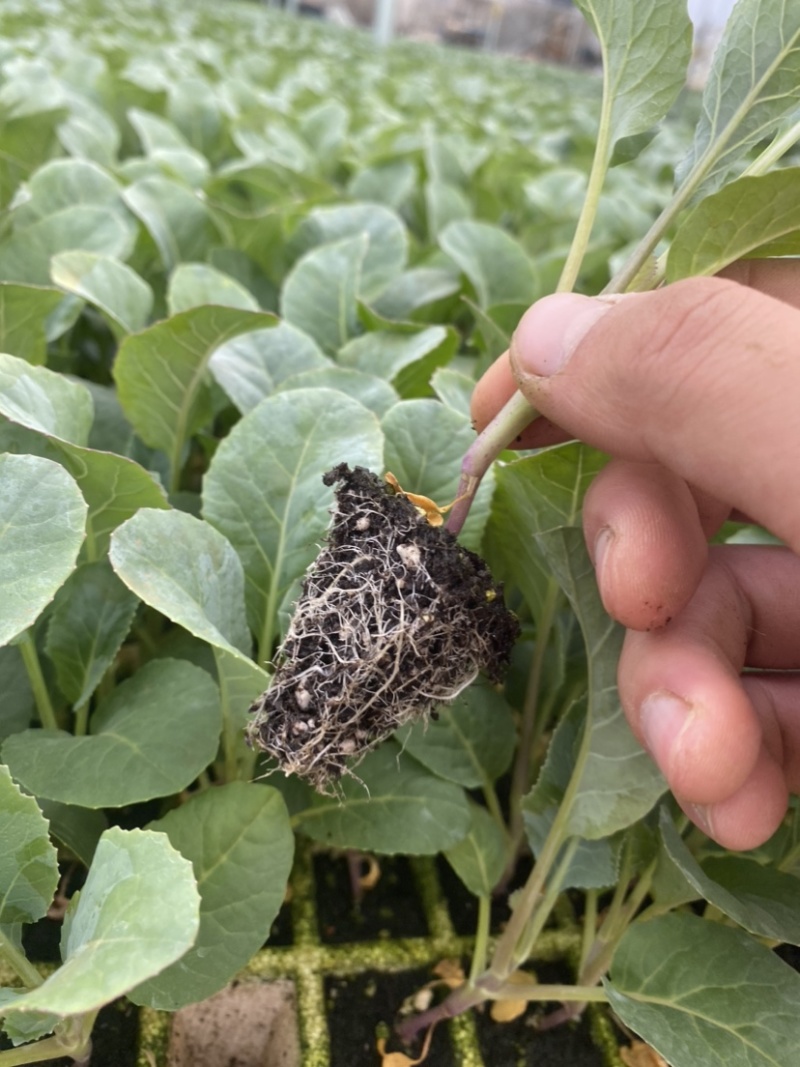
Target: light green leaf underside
x,y
42,527
28,861
240,843
754,82
137,912
186,570
757,216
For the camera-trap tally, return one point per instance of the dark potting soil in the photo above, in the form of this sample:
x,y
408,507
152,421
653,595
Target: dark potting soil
x,y
364,1007
520,1044
390,909
280,934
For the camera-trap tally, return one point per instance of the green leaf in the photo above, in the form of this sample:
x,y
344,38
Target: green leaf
x,y
240,682
91,134
114,488
444,205
185,569
195,107
636,36
387,183
76,829
151,738
60,410
453,389
44,401
17,705
155,132
137,913
28,862
414,289
424,444
374,393
479,860
91,616
406,359
391,805
26,255
319,293
749,217
28,141
240,844
161,374
194,284
61,186
324,127
252,366
387,247
594,864
263,489
175,217
763,900
535,493
42,527
619,783
111,286
23,311
753,84
496,265
471,742
700,992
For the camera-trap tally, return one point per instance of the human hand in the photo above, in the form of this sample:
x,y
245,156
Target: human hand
x,y
694,391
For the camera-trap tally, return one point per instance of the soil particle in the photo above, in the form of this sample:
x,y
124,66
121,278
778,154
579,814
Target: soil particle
x,y
395,618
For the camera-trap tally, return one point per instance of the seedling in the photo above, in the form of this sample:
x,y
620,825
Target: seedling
x,y
157,519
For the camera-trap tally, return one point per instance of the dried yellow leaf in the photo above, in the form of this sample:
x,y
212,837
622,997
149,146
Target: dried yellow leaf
x,y
639,1054
451,972
399,1059
370,878
505,1011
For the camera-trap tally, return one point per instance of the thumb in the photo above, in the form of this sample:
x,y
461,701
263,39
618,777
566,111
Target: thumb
x,y
702,376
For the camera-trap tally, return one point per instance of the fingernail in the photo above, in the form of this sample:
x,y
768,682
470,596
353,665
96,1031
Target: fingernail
x,y
600,553
551,330
663,717
700,815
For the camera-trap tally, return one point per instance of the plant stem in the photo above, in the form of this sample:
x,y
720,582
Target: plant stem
x,y
81,723
493,807
614,925
487,446
528,728
591,201
544,908
773,152
504,954
481,938
560,993
49,1048
20,963
44,707
589,925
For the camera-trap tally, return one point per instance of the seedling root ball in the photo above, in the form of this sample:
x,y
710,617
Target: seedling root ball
x,y
395,618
